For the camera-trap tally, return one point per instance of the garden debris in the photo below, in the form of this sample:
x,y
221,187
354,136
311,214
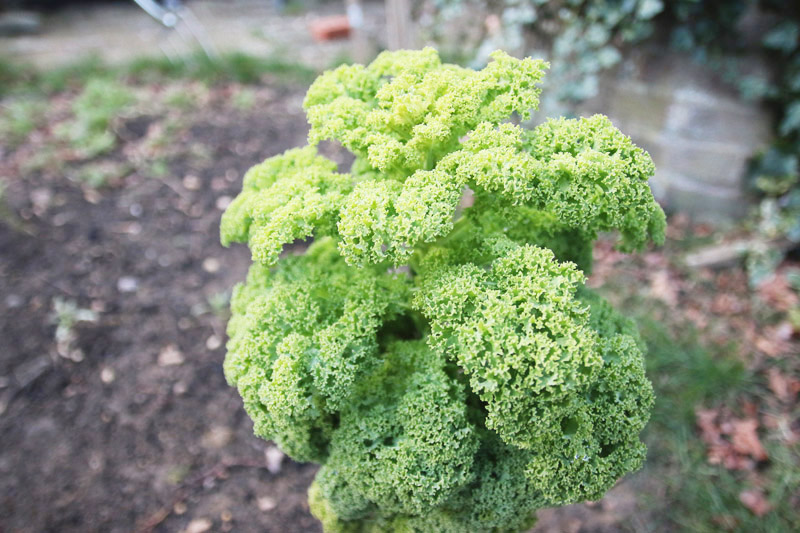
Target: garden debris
x,y
664,288
731,442
27,372
330,28
744,436
18,22
777,292
775,340
784,387
170,355
107,375
754,500
266,503
223,202
217,437
211,265
192,182
127,284
213,342
729,253
199,525
274,458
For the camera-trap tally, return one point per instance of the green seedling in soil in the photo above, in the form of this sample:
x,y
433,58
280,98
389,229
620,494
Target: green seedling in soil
x,y
186,96
229,67
244,99
7,214
89,132
219,302
66,314
436,349
17,78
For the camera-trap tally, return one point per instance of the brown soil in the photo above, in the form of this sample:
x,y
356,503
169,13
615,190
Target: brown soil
x,y
117,441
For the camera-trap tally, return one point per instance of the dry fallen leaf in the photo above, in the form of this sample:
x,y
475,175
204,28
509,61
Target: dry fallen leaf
x,y
773,343
663,288
728,304
755,501
730,442
706,421
744,437
778,293
783,386
697,317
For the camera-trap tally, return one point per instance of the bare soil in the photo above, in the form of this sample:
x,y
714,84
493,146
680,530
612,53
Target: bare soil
x,y
143,433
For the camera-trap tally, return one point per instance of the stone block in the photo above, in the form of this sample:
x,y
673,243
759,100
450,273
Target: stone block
x,y
702,201
698,115
634,109
707,162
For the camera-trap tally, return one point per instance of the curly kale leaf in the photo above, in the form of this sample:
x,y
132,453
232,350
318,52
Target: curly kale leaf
x,y
406,109
283,199
584,172
558,372
404,444
300,338
520,335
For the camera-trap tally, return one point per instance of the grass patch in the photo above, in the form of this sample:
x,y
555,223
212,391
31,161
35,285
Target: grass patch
x,y
20,116
699,496
685,374
230,67
99,103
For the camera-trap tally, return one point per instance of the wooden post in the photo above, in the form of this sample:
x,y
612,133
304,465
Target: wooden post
x,y
398,24
358,37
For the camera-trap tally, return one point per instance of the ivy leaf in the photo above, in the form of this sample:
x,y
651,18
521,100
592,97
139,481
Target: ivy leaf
x,y
791,121
608,56
650,8
682,38
597,35
755,87
794,80
783,37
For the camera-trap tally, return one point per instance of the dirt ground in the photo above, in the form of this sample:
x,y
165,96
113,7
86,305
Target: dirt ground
x,y
126,423
143,430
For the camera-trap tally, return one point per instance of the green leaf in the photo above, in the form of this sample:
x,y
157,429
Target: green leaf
x,y
783,37
650,8
791,120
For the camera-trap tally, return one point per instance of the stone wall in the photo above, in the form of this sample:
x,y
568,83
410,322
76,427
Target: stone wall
x,y
700,133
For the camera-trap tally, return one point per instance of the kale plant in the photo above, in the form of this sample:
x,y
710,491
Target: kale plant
x,y
435,348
